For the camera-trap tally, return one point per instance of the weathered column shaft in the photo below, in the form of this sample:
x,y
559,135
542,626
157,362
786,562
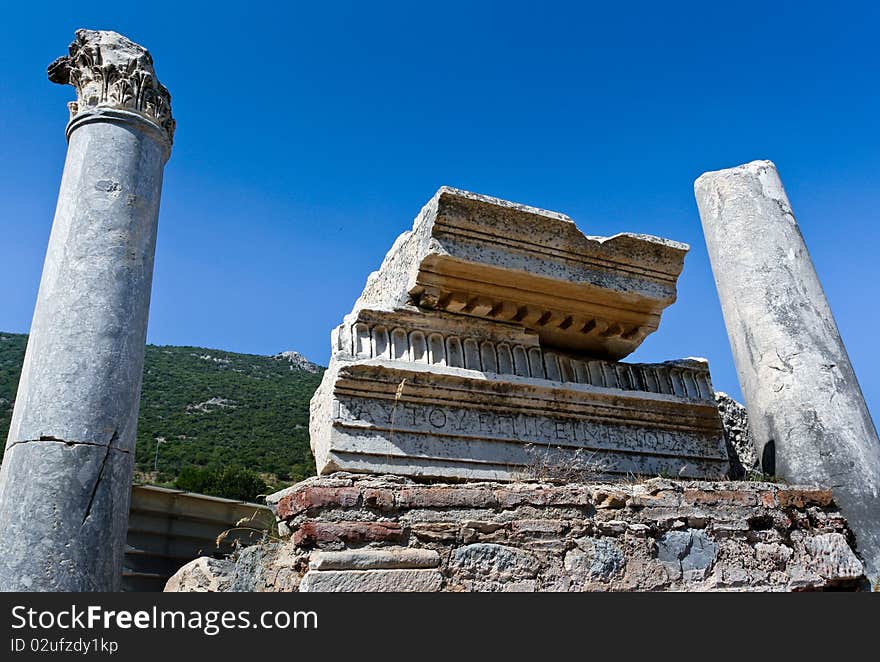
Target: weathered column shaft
x,y
65,482
804,402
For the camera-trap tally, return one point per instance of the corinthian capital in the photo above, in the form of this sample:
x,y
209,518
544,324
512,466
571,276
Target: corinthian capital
x,y
110,71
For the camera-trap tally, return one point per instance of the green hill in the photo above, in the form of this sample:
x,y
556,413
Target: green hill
x,y
208,408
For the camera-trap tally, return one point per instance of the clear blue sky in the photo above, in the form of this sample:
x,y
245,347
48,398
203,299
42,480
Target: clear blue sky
x,y
310,134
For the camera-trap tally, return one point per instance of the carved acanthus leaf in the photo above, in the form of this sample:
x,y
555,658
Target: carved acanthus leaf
x,y
111,71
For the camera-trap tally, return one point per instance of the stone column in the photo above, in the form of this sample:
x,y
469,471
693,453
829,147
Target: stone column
x,y
804,402
65,482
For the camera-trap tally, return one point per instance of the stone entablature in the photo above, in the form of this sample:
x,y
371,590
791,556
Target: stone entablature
x,y
447,423
457,386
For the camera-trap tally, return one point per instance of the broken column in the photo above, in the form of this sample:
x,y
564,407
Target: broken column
x,y
488,345
66,477
804,402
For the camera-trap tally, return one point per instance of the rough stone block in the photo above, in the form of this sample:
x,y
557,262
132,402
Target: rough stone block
x,y
832,558
491,562
381,499
689,553
373,559
436,531
595,559
371,581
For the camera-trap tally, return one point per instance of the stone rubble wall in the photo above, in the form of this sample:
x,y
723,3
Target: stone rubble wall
x,y
347,532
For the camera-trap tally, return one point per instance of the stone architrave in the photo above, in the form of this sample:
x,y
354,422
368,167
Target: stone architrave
x,y
484,348
806,410
65,482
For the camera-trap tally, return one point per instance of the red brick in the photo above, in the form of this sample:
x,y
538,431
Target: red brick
x,y
609,499
799,498
310,533
313,498
379,498
768,499
445,497
545,496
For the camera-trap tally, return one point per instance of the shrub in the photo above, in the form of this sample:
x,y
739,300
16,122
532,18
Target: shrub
x,y
231,482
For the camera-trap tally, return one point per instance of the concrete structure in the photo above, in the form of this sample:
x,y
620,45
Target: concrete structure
x,y
66,475
485,348
805,406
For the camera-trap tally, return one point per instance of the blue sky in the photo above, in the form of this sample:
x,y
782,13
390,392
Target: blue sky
x,y
310,134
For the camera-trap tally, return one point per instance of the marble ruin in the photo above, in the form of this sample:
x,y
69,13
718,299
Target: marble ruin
x,y
488,346
66,477
806,409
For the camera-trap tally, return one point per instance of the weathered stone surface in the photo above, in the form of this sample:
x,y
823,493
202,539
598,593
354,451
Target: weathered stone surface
x,y
401,417
496,562
385,581
202,575
806,410
110,71
832,558
595,559
688,552
662,535
479,256
72,434
61,506
373,559
744,459
269,566
493,567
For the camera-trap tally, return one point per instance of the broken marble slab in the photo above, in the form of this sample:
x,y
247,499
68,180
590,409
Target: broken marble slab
x,y
478,256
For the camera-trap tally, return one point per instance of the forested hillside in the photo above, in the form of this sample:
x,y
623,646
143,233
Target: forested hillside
x,y
208,409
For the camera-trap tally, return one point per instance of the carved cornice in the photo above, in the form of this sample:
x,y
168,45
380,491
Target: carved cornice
x,y
110,71
397,338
